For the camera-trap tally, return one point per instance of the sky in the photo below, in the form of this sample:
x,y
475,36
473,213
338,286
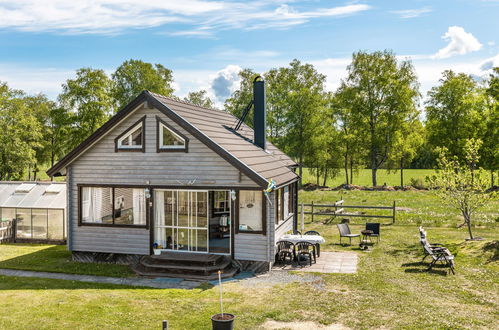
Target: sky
x,y
205,43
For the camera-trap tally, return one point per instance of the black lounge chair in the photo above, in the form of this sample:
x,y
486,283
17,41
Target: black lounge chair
x,y
344,230
305,249
285,249
317,246
374,227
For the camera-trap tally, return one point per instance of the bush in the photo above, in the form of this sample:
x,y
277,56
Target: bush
x,y
418,183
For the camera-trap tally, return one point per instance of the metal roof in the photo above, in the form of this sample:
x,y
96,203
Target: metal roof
x,y
39,195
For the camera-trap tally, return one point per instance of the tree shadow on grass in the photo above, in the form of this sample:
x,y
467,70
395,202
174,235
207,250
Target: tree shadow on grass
x,y
422,267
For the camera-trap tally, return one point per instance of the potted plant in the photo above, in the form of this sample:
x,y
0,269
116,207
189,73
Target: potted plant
x,y
222,321
157,249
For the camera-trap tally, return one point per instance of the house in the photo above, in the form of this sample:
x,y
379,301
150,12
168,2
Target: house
x,y
37,210
166,176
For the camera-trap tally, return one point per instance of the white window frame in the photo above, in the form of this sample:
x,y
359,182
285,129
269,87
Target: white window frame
x,y
128,137
161,146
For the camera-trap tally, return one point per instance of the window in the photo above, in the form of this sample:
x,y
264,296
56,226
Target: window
x,y
170,139
251,215
133,138
112,206
221,202
279,211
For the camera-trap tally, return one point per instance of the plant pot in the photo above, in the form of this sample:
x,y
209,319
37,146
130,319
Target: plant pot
x,y
157,252
223,323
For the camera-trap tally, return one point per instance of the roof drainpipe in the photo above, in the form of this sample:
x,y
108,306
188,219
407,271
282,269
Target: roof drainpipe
x,y
259,115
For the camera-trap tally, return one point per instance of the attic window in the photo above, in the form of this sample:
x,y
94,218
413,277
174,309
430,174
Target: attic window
x,y
133,138
170,139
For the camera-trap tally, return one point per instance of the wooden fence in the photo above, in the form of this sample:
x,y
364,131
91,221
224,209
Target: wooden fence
x,y
6,231
338,209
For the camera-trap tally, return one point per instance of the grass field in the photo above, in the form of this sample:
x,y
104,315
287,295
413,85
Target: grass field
x,y
390,290
363,177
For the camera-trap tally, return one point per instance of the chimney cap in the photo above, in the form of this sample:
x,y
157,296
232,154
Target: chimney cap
x,y
258,78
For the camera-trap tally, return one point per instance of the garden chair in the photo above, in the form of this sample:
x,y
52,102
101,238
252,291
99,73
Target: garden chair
x,y
437,246
374,227
344,230
317,246
285,249
438,254
305,249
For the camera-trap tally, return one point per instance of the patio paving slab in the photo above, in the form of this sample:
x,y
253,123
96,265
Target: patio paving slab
x,y
328,262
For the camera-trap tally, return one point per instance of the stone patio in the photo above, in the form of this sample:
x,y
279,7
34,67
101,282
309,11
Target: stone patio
x,y
328,262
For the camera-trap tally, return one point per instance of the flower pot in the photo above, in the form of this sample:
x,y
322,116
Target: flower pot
x,y
157,252
223,321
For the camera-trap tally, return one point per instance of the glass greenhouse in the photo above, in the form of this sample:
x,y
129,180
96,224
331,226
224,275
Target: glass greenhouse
x,y
37,209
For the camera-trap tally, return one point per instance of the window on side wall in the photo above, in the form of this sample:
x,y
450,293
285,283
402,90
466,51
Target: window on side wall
x,y
133,139
251,214
170,139
108,206
279,210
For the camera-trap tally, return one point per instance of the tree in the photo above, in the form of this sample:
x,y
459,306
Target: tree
x,y
350,138
490,149
199,98
456,110
460,183
21,133
240,98
134,76
88,99
384,94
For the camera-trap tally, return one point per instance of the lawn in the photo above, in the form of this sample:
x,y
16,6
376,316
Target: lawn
x,y
363,177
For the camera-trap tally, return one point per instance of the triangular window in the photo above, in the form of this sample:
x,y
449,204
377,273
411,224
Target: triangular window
x,y
169,139
133,138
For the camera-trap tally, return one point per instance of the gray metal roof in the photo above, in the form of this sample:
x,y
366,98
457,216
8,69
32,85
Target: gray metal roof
x,y
42,195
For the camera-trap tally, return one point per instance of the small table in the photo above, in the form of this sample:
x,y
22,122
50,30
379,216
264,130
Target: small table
x,y
366,239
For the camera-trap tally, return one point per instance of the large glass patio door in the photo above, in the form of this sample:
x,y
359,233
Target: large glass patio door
x,y
181,220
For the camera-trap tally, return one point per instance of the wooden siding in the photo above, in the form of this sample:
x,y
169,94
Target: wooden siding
x,y
255,247
100,164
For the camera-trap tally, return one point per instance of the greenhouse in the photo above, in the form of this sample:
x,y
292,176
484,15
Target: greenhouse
x,y
36,210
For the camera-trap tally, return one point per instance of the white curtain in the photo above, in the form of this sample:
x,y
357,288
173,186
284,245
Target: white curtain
x,y
91,205
159,218
286,201
139,207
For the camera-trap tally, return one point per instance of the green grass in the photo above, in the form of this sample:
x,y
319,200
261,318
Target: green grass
x,y
363,177
390,290
53,258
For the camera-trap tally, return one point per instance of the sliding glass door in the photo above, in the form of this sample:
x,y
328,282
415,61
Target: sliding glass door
x,y
181,220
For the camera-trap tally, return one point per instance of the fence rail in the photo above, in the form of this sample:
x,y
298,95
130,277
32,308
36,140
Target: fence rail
x,y
339,210
6,231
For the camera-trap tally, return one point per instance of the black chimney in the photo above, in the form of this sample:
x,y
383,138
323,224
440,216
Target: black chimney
x,y
259,115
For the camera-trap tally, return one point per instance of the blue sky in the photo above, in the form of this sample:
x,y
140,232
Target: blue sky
x,y
205,43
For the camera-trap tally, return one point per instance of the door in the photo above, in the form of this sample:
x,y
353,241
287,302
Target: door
x,y
181,220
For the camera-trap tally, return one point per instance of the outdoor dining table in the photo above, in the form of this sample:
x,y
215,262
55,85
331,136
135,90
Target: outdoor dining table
x,y
313,239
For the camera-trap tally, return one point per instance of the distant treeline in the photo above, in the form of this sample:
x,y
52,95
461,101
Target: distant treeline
x,y
375,119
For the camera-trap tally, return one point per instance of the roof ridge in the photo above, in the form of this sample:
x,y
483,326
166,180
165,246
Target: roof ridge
x,y
186,102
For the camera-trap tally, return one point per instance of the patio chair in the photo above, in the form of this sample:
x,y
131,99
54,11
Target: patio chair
x,y
374,227
438,254
424,241
317,246
305,249
344,230
285,249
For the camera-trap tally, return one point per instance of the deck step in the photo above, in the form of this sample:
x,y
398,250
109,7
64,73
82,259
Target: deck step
x,y
203,267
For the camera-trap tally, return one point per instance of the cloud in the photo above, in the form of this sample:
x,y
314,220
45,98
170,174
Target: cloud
x,y
199,18
225,82
490,63
460,43
412,13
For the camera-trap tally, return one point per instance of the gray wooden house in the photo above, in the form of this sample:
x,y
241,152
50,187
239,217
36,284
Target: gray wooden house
x,y
178,183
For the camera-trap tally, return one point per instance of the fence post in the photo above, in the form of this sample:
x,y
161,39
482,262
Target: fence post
x,y
302,217
312,211
165,325
394,205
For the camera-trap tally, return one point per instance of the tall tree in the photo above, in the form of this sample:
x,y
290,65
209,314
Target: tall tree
x,y
456,111
88,98
199,98
241,97
21,134
134,76
384,96
490,149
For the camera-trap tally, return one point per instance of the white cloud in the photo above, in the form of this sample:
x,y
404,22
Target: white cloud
x,y
490,63
411,13
193,17
460,43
